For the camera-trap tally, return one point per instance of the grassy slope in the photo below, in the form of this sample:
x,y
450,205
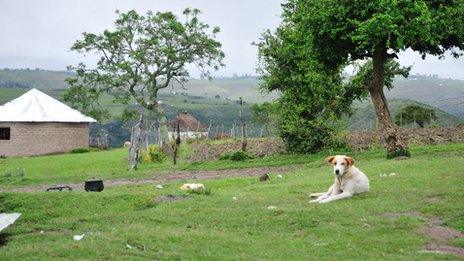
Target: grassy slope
x,y
364,116
446,94
218,227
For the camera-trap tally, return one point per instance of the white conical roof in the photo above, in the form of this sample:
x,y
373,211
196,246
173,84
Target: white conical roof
x,y
36,106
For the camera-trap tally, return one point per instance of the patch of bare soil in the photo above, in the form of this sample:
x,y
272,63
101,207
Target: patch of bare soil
x,y
440,236
163,177
362,140
256,147
169,198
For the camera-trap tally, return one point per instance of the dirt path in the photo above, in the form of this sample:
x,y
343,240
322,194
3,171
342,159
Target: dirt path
x,y
163,177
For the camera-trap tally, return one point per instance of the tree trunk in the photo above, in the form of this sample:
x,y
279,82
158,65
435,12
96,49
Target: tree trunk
x,y
136,142
176,144
244,137
395,144
163,132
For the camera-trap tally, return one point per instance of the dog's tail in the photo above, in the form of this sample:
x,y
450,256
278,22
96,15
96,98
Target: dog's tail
x,y
315,195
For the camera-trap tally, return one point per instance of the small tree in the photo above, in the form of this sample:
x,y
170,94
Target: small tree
x,y
313,97
415,114
142,55
265,115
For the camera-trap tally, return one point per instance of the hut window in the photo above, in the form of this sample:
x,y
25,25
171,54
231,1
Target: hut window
x,y
4,133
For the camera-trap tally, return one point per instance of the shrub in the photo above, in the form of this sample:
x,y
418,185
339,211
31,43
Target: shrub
x,y
415,114
79,150
153,154
339,141
236,156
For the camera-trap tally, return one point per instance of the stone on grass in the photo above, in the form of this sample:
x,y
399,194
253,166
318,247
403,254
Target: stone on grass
x,y
195,187
78,237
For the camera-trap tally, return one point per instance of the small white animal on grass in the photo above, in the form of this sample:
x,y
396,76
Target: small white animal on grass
x,y
197,187
349,180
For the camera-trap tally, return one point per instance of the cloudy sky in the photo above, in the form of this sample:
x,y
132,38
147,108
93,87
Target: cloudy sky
x,y
39,33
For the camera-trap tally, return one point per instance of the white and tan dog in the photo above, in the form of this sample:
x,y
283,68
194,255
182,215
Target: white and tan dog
x,y
349,180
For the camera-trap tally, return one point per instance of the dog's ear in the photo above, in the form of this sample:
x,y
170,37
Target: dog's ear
x,y
350,161
329,160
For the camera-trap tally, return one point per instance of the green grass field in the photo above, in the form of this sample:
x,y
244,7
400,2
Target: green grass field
x,y
127,222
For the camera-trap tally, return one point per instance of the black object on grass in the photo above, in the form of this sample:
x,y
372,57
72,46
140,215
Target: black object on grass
x,y
94,185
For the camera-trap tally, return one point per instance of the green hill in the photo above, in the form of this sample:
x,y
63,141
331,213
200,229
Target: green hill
x,y
39,79
445,94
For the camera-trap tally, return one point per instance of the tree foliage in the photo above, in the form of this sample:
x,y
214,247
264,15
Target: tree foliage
x,y
353,29
415,114
144,54
364,73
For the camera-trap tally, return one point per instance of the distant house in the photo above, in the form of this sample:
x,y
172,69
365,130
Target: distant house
x,y
189,127
37,124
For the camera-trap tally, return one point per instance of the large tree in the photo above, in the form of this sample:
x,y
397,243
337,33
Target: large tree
x,y
141,55
352,30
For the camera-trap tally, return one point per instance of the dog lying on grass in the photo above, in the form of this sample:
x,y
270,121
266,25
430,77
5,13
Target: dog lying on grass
x,y
349,180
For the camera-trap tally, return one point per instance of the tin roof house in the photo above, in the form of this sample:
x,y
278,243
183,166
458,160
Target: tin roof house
x,y
37,124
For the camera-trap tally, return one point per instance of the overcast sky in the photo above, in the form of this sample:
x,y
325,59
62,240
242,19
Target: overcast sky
x,y
38,34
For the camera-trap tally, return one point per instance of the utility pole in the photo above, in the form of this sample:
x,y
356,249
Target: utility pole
x,y
243,125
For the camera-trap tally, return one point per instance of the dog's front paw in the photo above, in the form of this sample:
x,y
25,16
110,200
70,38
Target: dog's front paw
x,y
314,201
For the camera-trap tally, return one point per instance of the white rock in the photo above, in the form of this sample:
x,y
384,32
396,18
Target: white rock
x,y
78,237
279,176
193,187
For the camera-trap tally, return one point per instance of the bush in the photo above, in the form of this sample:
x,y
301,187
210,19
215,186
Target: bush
x,y
415,114
153,154
79,150
236,156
